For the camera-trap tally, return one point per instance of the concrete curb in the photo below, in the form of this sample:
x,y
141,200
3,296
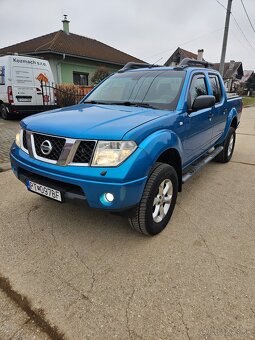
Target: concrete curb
x,y
5,167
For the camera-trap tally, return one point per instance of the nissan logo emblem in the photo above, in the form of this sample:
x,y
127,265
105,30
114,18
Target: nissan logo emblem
x,y
46,147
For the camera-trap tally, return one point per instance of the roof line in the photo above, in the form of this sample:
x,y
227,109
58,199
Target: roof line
x,y
74,56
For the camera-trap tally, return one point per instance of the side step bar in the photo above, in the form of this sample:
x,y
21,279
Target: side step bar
x,y
200,164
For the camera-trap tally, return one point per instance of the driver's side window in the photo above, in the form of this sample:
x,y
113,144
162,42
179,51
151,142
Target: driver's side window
x,y
197,88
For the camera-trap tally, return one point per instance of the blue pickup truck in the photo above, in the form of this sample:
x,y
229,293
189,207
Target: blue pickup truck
x,y
132,142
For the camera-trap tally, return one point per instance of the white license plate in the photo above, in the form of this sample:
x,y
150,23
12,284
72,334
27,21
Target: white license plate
x,y
24,100
45,191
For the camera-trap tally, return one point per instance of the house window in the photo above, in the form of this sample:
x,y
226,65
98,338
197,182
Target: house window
x,y
80,78
2,75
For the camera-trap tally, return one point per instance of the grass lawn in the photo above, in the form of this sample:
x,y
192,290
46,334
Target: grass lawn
x,y
248,101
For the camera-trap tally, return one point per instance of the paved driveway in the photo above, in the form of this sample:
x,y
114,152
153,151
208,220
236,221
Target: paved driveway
x,y
8,130
92,277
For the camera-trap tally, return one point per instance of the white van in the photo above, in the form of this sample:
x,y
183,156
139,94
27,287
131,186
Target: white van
x,y
20,85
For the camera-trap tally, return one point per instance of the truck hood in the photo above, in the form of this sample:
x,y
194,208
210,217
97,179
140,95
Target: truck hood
x,y
86,121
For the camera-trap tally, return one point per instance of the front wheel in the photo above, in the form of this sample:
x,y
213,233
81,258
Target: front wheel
x,y
228,147
158,201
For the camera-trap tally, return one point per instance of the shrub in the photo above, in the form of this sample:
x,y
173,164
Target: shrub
x,y
70,94
100,74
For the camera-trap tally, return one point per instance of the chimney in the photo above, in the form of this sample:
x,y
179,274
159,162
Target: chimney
x,y
65,24
231,64
200,55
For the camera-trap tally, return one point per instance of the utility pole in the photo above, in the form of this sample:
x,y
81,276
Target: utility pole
x,y
225,38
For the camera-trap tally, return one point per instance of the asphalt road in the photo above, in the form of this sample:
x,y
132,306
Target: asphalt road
x,y
15,324
92,277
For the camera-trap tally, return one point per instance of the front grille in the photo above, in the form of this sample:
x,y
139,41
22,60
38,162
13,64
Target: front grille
x,y
56,142
24,141
84,152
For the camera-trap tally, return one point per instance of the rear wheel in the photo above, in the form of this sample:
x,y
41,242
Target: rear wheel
x,y
4,113
228,147
158,201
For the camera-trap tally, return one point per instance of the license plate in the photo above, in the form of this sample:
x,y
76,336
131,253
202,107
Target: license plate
x,y
44,190
24,99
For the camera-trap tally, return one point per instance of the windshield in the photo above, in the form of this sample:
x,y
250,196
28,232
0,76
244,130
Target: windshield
x,y
159,89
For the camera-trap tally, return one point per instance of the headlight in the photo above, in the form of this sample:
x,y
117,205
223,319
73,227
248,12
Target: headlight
x,y
112,153
18,139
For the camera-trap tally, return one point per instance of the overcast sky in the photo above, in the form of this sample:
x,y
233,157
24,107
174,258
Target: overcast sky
x,y
146,29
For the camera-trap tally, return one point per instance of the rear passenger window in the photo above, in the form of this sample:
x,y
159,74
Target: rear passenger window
x,y
215,84
197,88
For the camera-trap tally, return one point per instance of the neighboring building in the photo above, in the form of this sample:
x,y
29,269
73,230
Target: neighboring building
x,y
247,83
73,58
179,54
233,73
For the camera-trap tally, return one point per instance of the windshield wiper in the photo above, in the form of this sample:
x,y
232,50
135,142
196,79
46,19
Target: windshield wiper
x,y
144,105
94,102
127,103
90,102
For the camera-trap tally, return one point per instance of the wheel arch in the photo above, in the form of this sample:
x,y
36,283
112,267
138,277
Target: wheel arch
x,y
166,147
172,157
234,123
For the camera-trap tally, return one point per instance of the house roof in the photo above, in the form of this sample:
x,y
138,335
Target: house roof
x,y
247,74
73,45
230,72
180,53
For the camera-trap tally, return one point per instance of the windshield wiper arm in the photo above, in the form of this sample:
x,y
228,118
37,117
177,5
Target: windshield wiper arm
x,y
127,103
94,102
143,105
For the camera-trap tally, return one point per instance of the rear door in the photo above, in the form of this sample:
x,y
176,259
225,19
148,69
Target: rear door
x,y
23,86
219,111
199,123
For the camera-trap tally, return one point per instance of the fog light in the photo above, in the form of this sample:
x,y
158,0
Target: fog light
x,y
109,197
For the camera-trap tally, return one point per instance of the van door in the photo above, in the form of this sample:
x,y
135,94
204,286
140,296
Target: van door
x,y
23,86
199,123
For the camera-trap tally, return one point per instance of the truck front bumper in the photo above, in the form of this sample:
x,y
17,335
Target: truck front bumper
x,y
125,182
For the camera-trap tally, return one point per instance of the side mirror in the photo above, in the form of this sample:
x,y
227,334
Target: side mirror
x,y
203,102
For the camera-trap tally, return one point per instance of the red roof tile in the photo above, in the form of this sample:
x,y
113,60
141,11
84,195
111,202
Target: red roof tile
x,y
71,44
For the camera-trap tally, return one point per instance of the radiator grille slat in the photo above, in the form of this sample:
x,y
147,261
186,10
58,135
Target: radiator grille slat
x,y
84,152
56,142
24,141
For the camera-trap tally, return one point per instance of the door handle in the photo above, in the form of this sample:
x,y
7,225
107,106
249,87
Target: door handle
x,y
210,115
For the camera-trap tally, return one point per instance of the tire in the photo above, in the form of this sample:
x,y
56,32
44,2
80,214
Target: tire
x,y
4,113
158,201
228,147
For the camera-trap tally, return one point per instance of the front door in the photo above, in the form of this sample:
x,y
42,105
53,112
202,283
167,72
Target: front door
x,y
199,124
